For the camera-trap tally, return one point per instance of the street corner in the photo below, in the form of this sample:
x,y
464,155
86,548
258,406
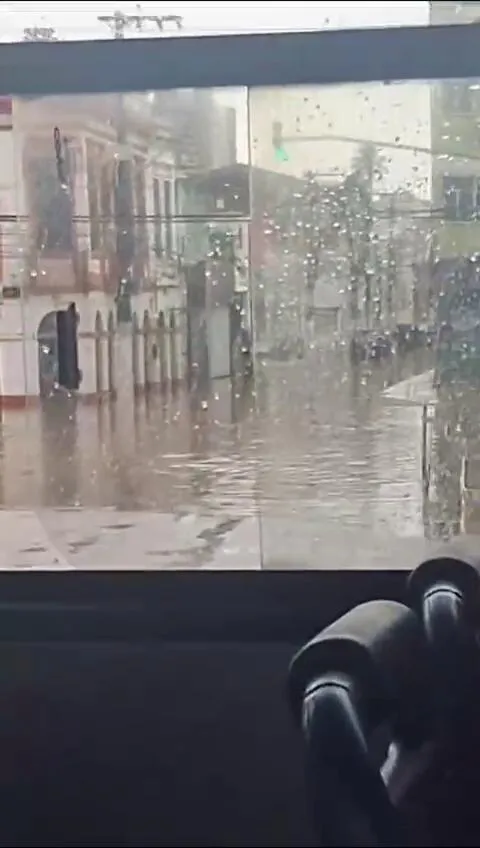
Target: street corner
x,y
418,390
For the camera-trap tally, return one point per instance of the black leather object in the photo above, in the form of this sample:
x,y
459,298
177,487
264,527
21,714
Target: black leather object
x,y
360,682
380,645
457,565
445,591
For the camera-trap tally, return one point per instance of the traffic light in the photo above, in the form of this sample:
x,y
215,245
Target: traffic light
x,y
281,154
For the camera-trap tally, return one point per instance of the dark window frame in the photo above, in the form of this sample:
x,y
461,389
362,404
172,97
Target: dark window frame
x,y
52,207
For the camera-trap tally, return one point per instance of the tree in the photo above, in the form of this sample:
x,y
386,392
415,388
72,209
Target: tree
x,y
368,164
334,218
341,216
356,218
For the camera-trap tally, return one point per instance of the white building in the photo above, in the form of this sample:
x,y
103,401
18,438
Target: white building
x,y
59,246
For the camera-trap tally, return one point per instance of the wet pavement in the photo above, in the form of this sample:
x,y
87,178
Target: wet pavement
x,y
316,465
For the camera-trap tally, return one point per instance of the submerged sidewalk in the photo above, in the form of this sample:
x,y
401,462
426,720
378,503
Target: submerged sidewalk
x,y
415,391
108,539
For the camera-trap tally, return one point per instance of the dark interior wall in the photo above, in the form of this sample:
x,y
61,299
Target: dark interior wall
x,y
149,709
172,745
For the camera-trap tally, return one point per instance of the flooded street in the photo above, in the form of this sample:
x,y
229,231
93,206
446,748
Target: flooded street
x,y
312,465
223,259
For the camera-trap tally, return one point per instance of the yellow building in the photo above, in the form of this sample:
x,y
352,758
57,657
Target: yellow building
x,y
455,131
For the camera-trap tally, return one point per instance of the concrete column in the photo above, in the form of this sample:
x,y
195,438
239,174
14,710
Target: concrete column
x,y
87,353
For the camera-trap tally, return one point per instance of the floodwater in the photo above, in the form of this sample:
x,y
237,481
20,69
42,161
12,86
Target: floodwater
x,y
312,465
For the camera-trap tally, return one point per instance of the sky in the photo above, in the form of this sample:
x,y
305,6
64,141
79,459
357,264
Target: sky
x,y
78,20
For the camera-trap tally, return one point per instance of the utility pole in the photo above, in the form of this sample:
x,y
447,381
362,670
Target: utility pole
x,y
120,23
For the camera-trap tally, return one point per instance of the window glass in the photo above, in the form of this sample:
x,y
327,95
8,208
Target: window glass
x,y
227,316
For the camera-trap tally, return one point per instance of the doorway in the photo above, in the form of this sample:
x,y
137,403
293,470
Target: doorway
x,y
58,352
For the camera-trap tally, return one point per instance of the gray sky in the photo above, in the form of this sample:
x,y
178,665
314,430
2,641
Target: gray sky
x,y
78,20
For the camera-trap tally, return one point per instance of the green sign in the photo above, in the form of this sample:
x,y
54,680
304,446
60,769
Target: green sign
x,y
281,154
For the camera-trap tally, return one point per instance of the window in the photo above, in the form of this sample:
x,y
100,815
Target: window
x,y
93,200
167,187
157,211
106,198
177,195
461,198
52,207
141,205
106,190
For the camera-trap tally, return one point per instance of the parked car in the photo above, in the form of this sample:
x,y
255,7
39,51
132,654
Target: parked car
x,y
367,345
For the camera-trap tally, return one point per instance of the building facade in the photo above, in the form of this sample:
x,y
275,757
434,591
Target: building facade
x,y
455,130
91,263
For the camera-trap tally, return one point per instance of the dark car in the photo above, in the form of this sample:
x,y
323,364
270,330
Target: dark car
x,y
366,345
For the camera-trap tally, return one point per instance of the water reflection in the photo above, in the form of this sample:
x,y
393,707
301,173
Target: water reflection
x,y
249,314
153,454
340,473
60,454
307,447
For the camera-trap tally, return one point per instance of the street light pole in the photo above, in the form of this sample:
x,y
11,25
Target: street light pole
x,y
119,23
278,143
